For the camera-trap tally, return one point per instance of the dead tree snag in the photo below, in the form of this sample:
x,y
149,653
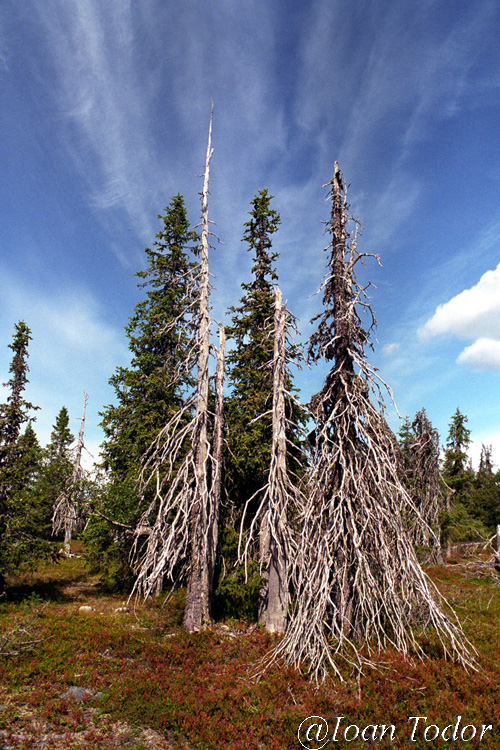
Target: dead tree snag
x,y
280,495
357,580
181,524
67,511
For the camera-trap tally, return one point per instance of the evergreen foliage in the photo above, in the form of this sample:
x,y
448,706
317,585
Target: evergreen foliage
x,y
153,387
250,375
56,473
455,456
20,454
461,521
61,436
483,499
248,409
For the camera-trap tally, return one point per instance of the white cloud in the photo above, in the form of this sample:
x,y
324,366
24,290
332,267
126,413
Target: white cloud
x,y
472,314
389,350
483,354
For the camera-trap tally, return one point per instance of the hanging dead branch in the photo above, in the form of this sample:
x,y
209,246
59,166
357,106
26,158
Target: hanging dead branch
x,y
357,581
67,507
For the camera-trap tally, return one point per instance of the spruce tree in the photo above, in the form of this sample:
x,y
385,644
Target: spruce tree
x,y
12,416
249,418
61,436
154,384
20,542
473,509
485,494
150,390
55,481
250,371
455,456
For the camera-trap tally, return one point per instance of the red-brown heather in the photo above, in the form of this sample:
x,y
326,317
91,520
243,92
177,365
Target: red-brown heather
x,y
164,688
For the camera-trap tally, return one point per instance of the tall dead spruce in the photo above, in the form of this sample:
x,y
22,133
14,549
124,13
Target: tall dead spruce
x,y
423,477
280,496
67,511
181,525
357,582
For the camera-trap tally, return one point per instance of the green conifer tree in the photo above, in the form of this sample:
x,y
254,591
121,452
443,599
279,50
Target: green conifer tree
x,y
148,390
160,333
61,436
55,476
20,542
249,421
248,408
460,523
455,456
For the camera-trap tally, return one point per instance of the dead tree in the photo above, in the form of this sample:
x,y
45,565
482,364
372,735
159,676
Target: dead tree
x,y
357,580
181,524
202,517
280,495
67,511
424,482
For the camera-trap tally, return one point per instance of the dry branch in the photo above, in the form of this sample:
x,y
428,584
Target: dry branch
x,y
425,484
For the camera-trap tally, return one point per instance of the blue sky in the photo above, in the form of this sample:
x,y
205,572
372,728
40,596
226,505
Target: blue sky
x,y
104,117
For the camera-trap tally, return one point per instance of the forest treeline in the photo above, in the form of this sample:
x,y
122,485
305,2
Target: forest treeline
x,y
314,519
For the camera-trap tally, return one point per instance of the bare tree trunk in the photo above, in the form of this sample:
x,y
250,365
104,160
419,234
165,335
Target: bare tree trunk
x,y
276,543
77,470
218,431
181,522
203,521
275,615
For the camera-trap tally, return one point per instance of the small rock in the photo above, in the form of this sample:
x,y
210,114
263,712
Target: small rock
x,y
122,609
77,693
86,608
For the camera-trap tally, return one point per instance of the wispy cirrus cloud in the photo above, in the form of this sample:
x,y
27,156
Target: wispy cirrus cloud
x,y
356,105
97,90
